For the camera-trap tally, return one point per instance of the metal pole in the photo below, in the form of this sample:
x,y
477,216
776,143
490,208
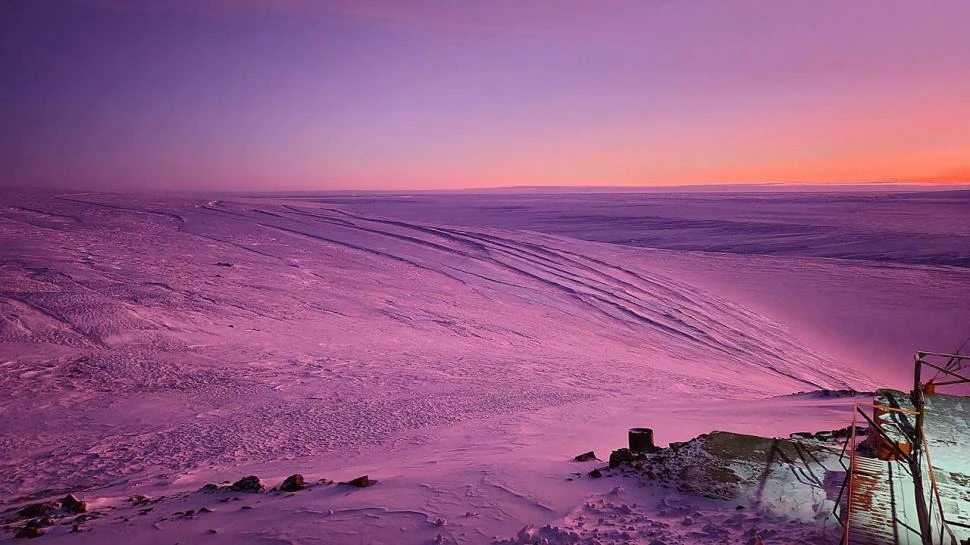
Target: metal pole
x,y
922,513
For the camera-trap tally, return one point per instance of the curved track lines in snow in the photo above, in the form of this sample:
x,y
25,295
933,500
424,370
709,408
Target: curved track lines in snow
x,y
155,336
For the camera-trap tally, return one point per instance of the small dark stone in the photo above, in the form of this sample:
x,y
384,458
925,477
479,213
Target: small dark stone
x,y
361,482
224,264
29,532
139,499
71,504
248,484
595,473
585,457
209,488
292,483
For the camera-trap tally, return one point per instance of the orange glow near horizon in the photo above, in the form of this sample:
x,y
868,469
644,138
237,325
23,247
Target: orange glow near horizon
x,y
340,94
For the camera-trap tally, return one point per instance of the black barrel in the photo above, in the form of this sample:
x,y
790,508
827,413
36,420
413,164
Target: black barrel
x,y
641,440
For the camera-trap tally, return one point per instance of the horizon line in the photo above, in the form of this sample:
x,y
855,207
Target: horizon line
x,y
734,187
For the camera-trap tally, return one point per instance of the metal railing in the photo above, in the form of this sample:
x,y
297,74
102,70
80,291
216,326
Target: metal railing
x,y
944,526
850,442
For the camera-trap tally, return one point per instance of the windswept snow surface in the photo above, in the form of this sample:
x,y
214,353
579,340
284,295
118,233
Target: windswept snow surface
x,y
153,343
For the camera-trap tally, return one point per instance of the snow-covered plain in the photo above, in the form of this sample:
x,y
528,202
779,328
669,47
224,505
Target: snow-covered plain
x,y
459,349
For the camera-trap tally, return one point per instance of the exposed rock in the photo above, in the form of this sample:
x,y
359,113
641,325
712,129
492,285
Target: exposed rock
x,y
829,435
71,504
292,483
585,457
360,482
223,264
621,456
595,473
139,500
29,532
728,466
248,484
209,488
36,509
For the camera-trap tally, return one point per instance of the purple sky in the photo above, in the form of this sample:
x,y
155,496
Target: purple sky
x,y
291,94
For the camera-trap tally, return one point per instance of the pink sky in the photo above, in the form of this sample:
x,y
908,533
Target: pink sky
x,y
291,94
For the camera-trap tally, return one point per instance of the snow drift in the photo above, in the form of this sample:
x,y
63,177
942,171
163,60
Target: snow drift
x,y
155,342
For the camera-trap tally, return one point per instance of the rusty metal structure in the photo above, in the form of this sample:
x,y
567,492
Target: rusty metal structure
x,y
896,457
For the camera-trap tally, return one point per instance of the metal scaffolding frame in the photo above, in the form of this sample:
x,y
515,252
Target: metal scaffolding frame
x,y
948,370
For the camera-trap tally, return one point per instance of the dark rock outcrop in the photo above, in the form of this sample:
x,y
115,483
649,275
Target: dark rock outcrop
x,y
361,482
293,483
585,457
138,499
248,484
36,510
622,456
29,532
71,504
